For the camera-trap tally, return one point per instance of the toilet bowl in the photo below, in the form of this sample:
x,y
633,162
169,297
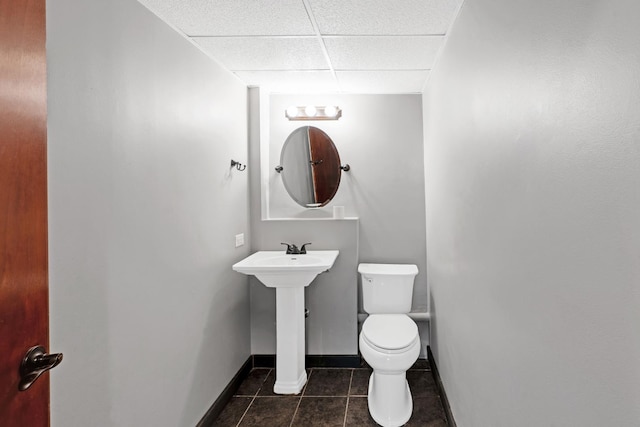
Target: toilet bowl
x,y
389,341
390,344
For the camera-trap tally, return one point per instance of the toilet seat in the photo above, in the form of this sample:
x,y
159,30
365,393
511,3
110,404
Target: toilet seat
x,y
389,333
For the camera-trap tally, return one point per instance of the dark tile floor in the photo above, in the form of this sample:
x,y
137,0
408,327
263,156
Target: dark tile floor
x,y
331,397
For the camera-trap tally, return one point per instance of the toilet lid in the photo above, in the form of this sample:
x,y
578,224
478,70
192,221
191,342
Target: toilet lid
x,y
390,331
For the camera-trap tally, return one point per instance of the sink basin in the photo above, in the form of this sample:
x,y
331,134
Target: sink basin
x,y
292,260
289,274
275,269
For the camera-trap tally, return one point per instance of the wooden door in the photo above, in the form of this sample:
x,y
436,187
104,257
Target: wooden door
x,y
24,316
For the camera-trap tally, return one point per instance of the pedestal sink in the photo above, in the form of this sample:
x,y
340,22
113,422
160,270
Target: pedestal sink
x,y
289,274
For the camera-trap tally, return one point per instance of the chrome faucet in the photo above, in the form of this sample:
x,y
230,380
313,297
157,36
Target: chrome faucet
x,y
294,250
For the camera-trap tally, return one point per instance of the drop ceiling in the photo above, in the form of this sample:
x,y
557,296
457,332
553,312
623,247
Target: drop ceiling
x,y
317,46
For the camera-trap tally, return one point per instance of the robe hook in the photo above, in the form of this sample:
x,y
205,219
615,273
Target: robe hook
x,y
238,165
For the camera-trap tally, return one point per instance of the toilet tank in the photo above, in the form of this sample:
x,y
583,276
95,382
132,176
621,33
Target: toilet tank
x,y
387,288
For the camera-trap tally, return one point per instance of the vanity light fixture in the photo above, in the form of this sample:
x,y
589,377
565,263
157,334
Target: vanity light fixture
x,y
313,112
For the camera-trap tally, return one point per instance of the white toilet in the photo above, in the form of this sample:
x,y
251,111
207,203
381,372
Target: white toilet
x,y
389,341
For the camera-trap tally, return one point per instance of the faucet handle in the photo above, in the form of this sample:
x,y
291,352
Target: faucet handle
x,y
303,249
291,248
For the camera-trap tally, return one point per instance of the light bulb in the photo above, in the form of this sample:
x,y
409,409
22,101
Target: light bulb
x,y
292,112
330,111
310,110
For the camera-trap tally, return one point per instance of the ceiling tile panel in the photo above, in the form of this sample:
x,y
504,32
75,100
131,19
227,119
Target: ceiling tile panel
x,y
291,81
373,46
234,17
265,53
364,17
382,82
383,53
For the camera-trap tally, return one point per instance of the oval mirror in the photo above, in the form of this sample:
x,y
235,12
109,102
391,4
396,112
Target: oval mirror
x,y
310,167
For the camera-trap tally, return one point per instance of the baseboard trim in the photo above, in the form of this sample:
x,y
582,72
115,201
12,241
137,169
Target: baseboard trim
x,y
222,400
333,361
443,395
312,361
264,360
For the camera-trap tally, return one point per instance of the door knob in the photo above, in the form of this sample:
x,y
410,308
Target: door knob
x,y
35,363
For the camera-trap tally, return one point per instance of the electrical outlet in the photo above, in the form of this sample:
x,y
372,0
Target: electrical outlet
x,y
239,240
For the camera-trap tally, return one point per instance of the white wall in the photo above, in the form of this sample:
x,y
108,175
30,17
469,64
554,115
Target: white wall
x,y
143,206
532,123
380,137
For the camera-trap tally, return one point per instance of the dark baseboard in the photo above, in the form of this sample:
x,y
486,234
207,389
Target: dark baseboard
x,y
222,400
312,361
333,361
264,360
443,395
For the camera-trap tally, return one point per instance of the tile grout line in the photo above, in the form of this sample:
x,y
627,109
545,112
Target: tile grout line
x,y
247,410
300,400
253,399
296,411
325,396
346,407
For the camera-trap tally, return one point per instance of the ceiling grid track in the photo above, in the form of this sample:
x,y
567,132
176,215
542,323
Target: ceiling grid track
x,y
325,52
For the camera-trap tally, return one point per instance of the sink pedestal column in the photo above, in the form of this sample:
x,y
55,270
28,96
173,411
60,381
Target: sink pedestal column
x,y
291,375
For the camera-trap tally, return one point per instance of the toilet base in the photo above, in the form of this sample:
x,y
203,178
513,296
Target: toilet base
x,y
389,399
